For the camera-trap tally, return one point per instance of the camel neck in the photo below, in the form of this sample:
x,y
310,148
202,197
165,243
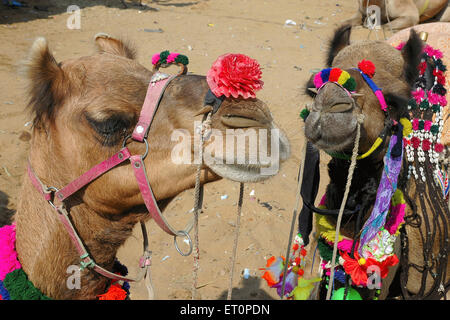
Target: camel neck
x,y
48,255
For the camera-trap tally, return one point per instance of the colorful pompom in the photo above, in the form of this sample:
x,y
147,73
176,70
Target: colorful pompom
x,y
336,75
304,114
367,67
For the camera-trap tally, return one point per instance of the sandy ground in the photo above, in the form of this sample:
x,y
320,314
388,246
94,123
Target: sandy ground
x,y
203,30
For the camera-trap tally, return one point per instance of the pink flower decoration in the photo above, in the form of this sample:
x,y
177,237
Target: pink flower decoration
x,y
438,54
429,50
171,58
346,245
396,218
427,125
8,254
415,124
155,58
235,75
419,94
442,101
433,98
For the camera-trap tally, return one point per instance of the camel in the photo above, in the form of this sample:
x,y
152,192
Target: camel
x,y
400,14
82,109
331,127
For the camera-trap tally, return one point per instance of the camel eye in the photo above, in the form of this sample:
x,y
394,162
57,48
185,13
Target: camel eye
x,y
112,129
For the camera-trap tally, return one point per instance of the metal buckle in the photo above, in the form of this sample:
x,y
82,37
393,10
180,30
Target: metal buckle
x,y
185,234
145,141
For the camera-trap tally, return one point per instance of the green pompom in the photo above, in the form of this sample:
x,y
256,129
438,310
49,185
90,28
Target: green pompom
x,y
424,105
163,56
421,124
412,104
20,288
352,294
326,252
436,108
350,84
434,129
182,59
304,114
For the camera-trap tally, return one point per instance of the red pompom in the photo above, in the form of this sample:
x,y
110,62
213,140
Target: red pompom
x,y
426,144
367,67
415,142
235,75
115,292
438,147
422,67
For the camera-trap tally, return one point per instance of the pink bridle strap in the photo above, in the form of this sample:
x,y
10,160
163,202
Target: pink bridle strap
x,y
92,174
137,163
153,97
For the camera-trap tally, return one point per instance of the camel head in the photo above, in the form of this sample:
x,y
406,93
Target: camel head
x,y
83,109
332,121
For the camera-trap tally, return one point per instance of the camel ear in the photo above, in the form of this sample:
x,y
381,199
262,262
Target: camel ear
x,y
105,43
411,53
46,81
340,40
310,88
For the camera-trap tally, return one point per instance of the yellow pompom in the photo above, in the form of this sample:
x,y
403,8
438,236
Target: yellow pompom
x,y
362,261
343,77
407,126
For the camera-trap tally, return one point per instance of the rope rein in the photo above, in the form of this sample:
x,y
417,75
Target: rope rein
x,y
236,236
344,202
198,191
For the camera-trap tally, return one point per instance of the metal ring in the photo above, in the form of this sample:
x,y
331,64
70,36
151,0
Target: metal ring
x,y
145,141
185,234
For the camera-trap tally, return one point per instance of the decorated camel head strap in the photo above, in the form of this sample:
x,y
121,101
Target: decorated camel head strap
x,y
166,58
232,75
343,79
348,83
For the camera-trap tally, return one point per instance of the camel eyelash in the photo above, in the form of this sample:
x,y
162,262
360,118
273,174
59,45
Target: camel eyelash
x,y
112,129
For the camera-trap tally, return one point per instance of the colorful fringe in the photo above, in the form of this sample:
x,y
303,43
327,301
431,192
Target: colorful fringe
x,y
14,283
166,57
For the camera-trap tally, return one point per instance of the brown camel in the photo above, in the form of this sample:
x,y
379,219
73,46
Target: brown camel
x,y
400,14
331,126
83,108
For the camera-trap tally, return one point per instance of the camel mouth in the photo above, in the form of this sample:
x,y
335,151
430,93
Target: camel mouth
x,y
331,132
241,172
260,169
